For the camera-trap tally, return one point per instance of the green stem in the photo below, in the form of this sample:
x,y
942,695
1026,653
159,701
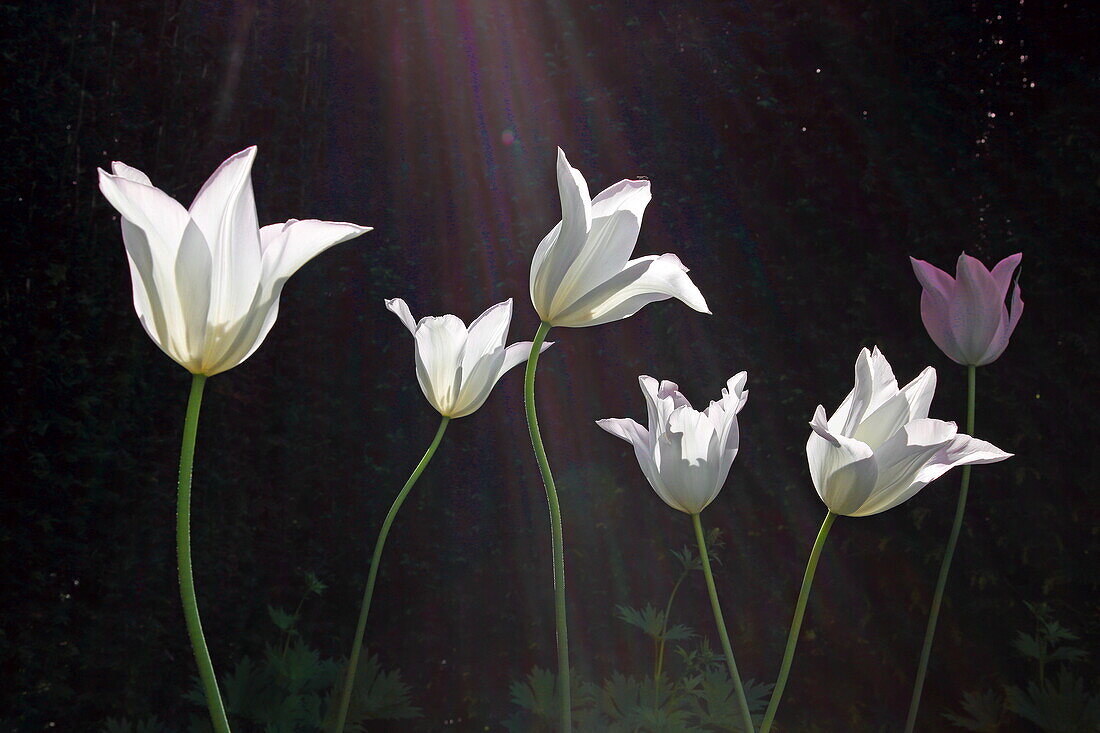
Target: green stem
x,y
357,645
183,558
668,609
565,710
796,623
945,567
742,701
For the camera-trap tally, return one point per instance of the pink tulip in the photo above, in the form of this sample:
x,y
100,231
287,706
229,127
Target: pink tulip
x,y
966,315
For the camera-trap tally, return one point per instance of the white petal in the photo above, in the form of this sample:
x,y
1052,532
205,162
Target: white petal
x,y
398,307
887,420
193,276
643,281
225,211
487,334
961,451
517,353
843,472
643,443
297,243
439,344
689,481
919,393
560,247
900,460
616,221
847,417
884,386
130,173
156,213
626,429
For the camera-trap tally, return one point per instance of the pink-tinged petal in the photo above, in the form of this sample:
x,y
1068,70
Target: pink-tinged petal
x,y
932,278
398,307
1002,273
975,309
643,281
625,428
1009,319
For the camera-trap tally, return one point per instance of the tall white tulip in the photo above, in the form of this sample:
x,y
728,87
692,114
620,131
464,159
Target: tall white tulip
x,y
457,366
685,454
207,280
880,447
582,274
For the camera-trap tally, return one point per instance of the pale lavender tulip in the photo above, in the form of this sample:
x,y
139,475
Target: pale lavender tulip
x,y
207,280
966,315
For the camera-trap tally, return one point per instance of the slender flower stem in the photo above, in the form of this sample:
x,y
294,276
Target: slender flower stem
x,y
796,623
742,701
183,560
357,645
565,710
945,567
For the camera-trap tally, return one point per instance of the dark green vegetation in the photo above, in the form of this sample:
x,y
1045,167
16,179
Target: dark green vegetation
x,y
393,117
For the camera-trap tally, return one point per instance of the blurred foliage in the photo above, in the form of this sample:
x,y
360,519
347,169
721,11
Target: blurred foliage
x,y
794,195
1064,704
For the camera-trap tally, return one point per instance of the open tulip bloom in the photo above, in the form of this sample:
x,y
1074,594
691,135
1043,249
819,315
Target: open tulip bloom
x,y
457,367
582,275
877,450
206,286
967,318
686,456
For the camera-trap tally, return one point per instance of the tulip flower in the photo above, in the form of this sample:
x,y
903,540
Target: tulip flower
x,y
582,274
686,457
457,366
967,318
685,454
880,447
877,450
207,280
966,315
206,286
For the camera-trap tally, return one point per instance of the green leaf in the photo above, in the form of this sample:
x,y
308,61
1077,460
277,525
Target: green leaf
x,y
986,711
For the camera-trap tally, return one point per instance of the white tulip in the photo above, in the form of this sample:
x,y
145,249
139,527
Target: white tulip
x,y
207,280
880,447
685,454
582,274
457,366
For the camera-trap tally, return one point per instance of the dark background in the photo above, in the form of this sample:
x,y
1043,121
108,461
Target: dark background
x,y
799,152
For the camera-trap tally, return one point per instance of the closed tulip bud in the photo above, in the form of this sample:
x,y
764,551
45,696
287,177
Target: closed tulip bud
x,y
880,447
685,454
207,280
582,274
966,315
457,366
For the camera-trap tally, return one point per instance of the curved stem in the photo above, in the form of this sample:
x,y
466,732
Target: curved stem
x,y
742,701
796,623
183,558
357,645
945,567
565,710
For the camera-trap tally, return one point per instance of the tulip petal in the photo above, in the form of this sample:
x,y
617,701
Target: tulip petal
x,y
297,242
686,475
130,173
846,418
900,459
625,428
843,470
518,353
643,281
919,393
560,246
225,211
1002,273
643,442
616,221
1005,329
194,263
401,310
487,334
938,288
975,309
439,344
961,451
